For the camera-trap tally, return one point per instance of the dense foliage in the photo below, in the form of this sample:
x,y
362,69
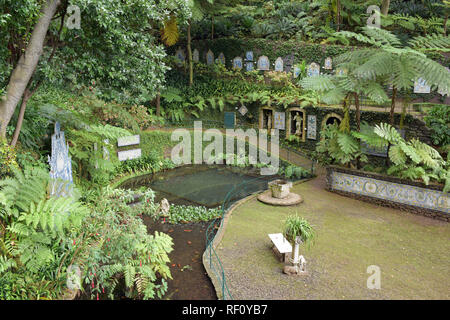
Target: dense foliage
x,y
411,159
41,236
184,214
438,119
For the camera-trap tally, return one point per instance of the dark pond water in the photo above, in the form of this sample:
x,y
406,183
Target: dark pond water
x,y
201,184
194,185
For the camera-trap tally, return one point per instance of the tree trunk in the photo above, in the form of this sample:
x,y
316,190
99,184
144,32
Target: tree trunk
x,y
26,96
358,112
26,66
385,7
358,124
338,15
445,24
212,28
391,115
158,104
189,49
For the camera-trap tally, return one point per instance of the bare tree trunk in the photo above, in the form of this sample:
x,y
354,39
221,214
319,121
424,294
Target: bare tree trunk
x,y
26,66
385,7
158,104
445,24
28,92
26,96
189,49
358,112
338,15
391,115
358,124
212,28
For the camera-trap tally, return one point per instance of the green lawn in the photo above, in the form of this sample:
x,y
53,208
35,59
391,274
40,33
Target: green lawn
x,y
413,252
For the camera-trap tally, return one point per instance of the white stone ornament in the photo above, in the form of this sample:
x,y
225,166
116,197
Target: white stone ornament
x,y
279,64
313,70
180,57
263,63
420,86
209,57
296,71
221,58
312,127
328,64
237,63
195,55
280,120
243,110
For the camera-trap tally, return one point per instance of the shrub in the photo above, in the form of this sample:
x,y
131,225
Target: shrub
x,y
181,214
7,159
438,120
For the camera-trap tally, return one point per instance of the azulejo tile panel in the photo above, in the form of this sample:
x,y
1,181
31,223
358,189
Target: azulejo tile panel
x,y
395,192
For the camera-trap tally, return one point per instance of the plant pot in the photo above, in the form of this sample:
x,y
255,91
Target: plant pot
x,y
280,188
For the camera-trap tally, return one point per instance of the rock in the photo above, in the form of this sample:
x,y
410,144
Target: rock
x,y
290,270
296,270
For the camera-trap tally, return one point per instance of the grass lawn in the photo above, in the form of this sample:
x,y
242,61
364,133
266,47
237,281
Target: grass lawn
x,y
413,252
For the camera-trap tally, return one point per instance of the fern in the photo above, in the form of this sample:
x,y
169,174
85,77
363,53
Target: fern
x,y
170,34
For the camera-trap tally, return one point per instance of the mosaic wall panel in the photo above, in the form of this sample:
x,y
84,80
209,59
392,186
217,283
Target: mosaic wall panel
x,y
395,192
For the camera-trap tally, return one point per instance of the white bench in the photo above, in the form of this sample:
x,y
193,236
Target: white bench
x,y
281,246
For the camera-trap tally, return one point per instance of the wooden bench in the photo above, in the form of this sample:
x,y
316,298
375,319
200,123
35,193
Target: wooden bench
x,y
281,246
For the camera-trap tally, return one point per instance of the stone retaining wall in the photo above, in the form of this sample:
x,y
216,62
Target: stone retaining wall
x,y
411,196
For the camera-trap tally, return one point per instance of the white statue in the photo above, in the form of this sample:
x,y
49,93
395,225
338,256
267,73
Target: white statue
x,y
269,122
298,124
302,266
164,206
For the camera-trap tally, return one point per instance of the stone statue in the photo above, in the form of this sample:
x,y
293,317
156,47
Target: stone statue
x,y
298,124
298,269
164,207
269,122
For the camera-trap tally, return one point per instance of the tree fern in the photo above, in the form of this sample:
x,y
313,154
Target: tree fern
x,y
390,63
169,33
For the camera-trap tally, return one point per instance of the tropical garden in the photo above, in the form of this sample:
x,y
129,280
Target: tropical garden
x,y
108,69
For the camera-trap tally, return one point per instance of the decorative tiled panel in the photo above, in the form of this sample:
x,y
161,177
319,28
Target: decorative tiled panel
x,y
395,192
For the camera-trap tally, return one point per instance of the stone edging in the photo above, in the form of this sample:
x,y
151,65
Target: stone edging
x,y
220,233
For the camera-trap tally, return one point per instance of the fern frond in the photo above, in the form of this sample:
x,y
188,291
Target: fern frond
x,y
388,132
169,33
397,155
431,42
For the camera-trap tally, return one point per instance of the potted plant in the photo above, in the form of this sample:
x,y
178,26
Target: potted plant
x,y
280,188
297,230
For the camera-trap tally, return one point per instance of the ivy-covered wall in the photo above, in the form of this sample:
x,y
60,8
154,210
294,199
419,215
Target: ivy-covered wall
x,y
232,48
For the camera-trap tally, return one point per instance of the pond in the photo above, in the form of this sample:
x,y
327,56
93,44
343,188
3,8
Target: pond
x,y
197,185
201,185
